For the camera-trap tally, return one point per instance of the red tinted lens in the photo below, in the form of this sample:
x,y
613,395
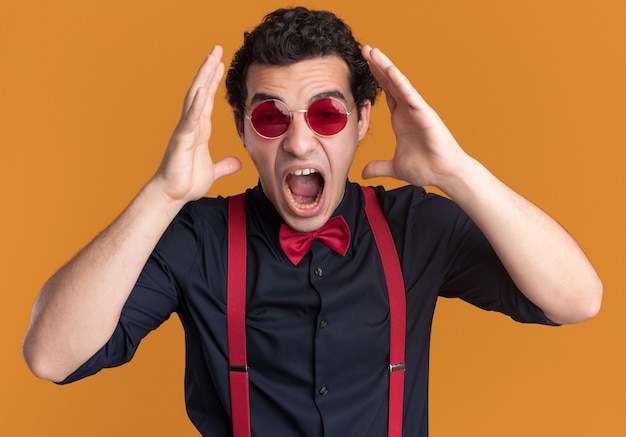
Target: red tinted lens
x,y
271,118
327,116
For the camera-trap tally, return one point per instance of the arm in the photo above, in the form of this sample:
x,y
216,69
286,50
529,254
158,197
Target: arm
x,y
543,260
78,308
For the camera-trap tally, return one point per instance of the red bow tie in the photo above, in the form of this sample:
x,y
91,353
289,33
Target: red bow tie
x,y
335,234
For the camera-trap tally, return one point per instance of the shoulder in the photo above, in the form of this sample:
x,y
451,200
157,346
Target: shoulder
x,y
198,222
208,210
415,205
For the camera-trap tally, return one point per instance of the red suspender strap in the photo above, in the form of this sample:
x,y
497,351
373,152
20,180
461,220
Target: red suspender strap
x,y
236,313
397,308
236,318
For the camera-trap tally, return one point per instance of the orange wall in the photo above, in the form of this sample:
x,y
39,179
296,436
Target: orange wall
x,y
89,94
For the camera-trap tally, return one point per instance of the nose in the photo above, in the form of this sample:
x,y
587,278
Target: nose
x,y
299,139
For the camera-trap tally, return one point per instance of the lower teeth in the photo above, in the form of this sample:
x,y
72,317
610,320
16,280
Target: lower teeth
x,y
303,205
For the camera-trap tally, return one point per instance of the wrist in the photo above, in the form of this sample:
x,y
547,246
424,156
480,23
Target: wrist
x,y
158,200
461,177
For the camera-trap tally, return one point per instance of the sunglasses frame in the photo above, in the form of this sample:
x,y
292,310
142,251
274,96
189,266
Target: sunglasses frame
x,y
306,116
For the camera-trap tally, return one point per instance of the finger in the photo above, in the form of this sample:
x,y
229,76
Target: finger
x,y
392,80
384,80
191,117
212,89
202,102
226,166
375,68
205,73
378,66
380,76
378,169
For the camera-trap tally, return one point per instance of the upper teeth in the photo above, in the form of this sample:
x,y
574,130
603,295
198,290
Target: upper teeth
x,y
304,172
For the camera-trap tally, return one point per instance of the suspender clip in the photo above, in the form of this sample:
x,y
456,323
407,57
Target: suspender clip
x,y
396,367
238,368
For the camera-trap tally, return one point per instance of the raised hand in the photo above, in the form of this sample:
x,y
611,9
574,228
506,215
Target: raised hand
x,y
426,153
79,307
542,258
187,171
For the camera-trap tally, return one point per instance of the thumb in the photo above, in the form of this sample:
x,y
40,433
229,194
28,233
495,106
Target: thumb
x,y
226,166
377,169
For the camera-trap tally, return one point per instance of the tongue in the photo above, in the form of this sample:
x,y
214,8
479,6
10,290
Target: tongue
x,y
305,188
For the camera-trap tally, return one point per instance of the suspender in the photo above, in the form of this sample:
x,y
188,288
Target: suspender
x,y
236,317
397,308
236,313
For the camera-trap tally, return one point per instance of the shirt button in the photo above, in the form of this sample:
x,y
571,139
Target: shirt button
x,y
318,272
324,390
323,324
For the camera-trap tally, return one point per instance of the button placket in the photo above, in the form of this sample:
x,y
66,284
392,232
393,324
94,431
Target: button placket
x,y
319,273
320,283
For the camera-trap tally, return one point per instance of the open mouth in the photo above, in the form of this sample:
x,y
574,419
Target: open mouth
x,y
304,188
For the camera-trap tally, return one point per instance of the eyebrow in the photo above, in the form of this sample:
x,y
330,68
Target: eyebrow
x,y
260,97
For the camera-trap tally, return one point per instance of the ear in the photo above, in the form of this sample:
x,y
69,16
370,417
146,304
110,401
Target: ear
x,y
364,120
237,115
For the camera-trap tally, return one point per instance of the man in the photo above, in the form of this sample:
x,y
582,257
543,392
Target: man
x,y
318,335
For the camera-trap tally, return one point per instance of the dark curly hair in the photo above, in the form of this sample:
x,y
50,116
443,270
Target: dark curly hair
x,y
287,36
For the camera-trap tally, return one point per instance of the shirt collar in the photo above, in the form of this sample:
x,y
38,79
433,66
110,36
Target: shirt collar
x,y
265,221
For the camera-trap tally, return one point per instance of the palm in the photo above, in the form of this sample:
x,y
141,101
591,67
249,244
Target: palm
x,y
187,170
425,150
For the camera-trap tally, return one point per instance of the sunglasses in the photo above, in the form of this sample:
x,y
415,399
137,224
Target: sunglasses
x,y
271,118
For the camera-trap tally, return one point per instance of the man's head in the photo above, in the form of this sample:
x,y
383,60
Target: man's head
x,y
301,94
287,36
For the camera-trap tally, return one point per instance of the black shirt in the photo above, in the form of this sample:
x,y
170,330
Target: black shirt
x,y
317,333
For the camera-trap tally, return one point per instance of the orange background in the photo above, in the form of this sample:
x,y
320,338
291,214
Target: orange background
x,y
90,92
